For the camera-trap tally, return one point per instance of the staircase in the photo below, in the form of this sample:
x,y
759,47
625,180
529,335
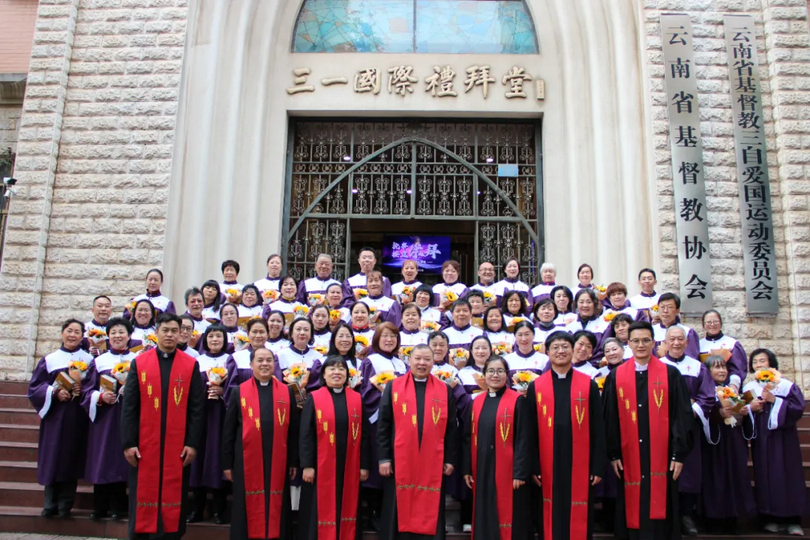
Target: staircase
x,y
21,498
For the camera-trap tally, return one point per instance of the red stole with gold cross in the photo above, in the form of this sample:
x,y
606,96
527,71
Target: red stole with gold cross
x,y
580,443
504,457
327,457
154,495
418,467
658,408
253,457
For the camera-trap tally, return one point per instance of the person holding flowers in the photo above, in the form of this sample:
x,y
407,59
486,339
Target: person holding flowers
x,y
143,322
451,289
55,382
385,308
276,341
300,352
619,328
230,285
212,300
312,291
363,334
186,333
617,302
513,304
238,363
564,300
775,450
229,319
486,283
251,305
403,291
355,288
95,331
512,282
548,277
727,493
584,277
334,301
647,298
260,452
545,313
716,342
162,304
194,309
525,359
584,344
471,376
287,303
342,344
206,470
431,318
101,393
460,333
495,330
271,282
411,333
588,319
322,333
335,456
567,442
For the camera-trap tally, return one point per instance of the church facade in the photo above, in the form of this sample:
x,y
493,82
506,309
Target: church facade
x,y
177,134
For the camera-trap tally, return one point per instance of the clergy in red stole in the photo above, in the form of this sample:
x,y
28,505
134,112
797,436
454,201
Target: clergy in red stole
x,y
497,459
260,452
648,417
416,436
335,456
161,428
567,442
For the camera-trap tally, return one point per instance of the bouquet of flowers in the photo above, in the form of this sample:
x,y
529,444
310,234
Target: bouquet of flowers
x,y
216,377
297,376
381,379
459,357
300,311
359,294
501,348
601,292
405,354
768,378
429,326
240,341
77,370
270,296
515,320
488,298
195,337
320,349
97,338
361,343
568,318
723,353
120,372
610,316
406,296
149,341
447,377
522,379
654,311
315,298
600,382
233,294
334,316
540,347
373,316
448,297
354,378
480,381
728,397
130,307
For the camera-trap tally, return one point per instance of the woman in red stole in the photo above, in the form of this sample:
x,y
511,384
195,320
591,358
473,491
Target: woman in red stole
x,y
335,456
260,452
502,498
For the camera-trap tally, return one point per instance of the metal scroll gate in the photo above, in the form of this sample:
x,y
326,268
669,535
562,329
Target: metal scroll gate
x,y
485,173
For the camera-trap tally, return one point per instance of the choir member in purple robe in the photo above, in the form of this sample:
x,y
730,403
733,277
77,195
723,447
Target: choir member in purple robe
x,y
287,302
102,309
404,290
276,341
384,308
300,351
411,333
584,277
525,357
186,331
564,301
545,313
143,323
355,286
154,280
495,330
548,277
432,318
486,283
727,493
194,309
584,345
616,302
229,319
360,318
647,298
669,309
775,450
206,471
620,329
321,332
334,301
480,351
63,428
700,385
512,282
274,266
461,333
230,281
606,490
513,305
451,270
478,305
588,319
212,300
238,363
342,344
738,362
251,305
313,290
106,467
385,344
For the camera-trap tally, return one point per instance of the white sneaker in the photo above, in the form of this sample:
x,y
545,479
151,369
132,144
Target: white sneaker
x,y
467,528
795,530
771,528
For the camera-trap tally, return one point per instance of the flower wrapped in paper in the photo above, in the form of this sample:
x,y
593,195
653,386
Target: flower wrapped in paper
x,y
610,316
149,341
130,307
270,296
300,312
97,338
601,292
120,372
447,377
480,380
448,297
723,353
502,348
459,357
354,378
216,377
600,382
405,354
478,322
406,295
489,298
729,398
194,339
315,298
334,316
381,379
234,295
540,347
320,349
297,376
511,326
361,343
522,379
77,370
240,341
429,326
768,378
359,294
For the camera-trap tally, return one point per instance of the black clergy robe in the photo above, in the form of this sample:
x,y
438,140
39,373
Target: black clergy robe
x,y
308,523
486,525
385,442
680,443
564,453
130,427
233,457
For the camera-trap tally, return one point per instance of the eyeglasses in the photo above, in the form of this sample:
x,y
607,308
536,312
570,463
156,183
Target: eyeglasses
x,y
496,372
645,341
186,328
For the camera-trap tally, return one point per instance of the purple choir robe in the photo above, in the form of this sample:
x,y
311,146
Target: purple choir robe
x,y
737,365
312,358
776,452
454,484
701,389
358,281
206,469
314,285
534,362
388,309
63,429
239,370
105,462
692,344
458,288
599,327
542,291
161,303
505,285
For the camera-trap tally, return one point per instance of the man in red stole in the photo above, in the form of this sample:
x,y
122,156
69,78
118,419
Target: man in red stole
x,y
416,436
568,441
161,428
648,415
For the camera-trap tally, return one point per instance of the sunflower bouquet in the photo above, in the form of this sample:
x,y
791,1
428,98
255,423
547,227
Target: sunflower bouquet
x,y
149,341
373,315
77,370
540,347
270,296
514,322
381,379
406,296
610,316
315,298
300,311
130,307
480,380
405,354
194,339
601,292
234,295
767,378
429,326
120,372
216,377
448,297
722,352
334,316
489,298
459,357
97,338
522,379
240,341
361,343
447,377
297,376
600,382
359,294
320,349
729,398
354,378
502,348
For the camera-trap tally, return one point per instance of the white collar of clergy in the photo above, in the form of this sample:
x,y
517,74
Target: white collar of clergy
x,y
336,390
641,367
417,379
561,375
264,383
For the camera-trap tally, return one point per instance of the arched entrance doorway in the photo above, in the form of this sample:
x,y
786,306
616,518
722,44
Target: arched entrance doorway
x,y
351,184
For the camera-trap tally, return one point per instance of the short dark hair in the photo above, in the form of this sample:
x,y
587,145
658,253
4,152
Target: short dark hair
x,y
421,347
151,308
426,289
709,312
375,339
230,262
315,308
411,307
333,360
213,284
621,317
257,320
158,273
352,354
559,335
438,334
351,310
254,351
650,270
101,296
476,338
567,293
486,318
256,290
186,317
670,296
302,320
367,248
496,358
590,294
210,330
119,321
191,292
226,304
272,256
523,324
460,302
72,321
507,296
772,361
543,302
164,318
616,287
587,335
510,259
640,325
474,292
584,266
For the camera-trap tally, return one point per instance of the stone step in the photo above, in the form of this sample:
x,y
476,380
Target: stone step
x,y
30,494
19,433
18,471
14,387
13,415
14,401
18,451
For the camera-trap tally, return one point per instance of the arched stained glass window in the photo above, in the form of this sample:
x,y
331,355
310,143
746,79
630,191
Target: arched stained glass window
x,y
421,26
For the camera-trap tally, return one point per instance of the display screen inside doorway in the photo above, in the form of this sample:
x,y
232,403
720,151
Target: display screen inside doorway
x,y
430,252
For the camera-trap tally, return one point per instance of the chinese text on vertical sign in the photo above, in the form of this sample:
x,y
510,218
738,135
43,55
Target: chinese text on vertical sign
x,y
752,167
691,224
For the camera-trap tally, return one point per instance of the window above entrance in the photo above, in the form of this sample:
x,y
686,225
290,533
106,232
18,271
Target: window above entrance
x,y
415,26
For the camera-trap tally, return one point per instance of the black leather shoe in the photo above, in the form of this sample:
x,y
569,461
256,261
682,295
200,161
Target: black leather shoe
x,y
219,519
194,517
688,526
48,512
63,514
95,516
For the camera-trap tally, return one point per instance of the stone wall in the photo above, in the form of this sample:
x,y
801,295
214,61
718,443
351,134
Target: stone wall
x,y
9,126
